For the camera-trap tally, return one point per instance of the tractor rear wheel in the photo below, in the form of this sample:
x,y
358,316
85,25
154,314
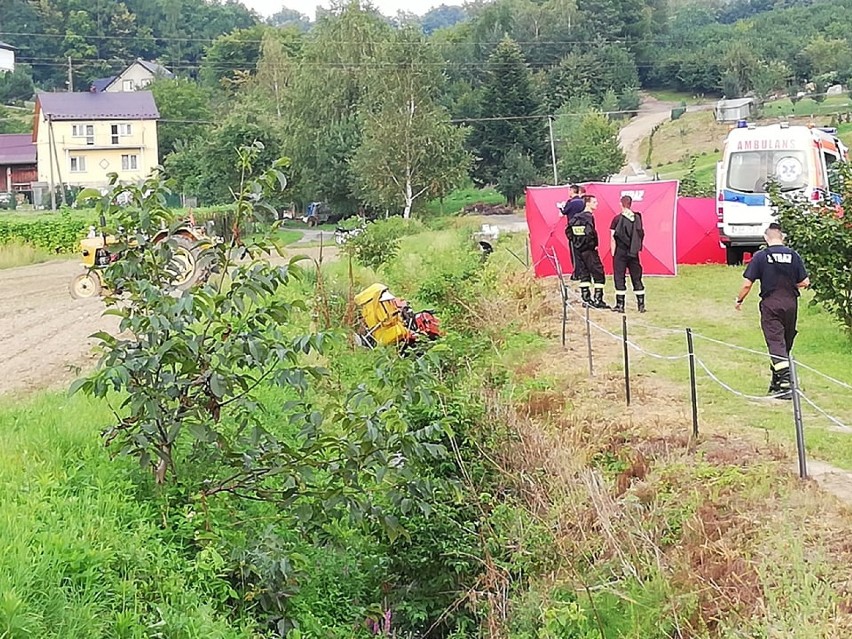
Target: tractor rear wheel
x,y
85,285
185,261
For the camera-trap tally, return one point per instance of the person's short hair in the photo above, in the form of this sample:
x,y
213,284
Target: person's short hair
x,y
588,198
626,201
774,230
574,188
581,189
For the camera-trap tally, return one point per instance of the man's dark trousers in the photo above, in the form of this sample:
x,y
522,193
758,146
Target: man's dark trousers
x,y
778,313
622,263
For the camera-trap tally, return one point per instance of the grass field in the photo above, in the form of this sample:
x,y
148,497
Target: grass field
x,y
692,134
81,555
88,548
12,255
457,200
807,107
701,297
677,97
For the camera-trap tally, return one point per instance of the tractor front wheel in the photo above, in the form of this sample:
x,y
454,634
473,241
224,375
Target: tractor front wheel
x,y
85,285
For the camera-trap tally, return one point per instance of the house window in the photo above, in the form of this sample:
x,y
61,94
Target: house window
x,y
114,132
146,82
129,162
78,164
84,131
127,85
125,129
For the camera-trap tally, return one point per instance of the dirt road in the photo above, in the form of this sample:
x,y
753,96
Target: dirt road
x,y
44,332
651,113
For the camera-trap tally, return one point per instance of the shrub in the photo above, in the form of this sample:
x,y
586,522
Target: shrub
x,y
822,235
56,233
379,242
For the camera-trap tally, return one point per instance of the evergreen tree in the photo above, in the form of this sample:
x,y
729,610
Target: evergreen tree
x,y
510,112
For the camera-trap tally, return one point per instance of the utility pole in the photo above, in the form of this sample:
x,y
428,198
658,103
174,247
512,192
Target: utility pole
x,y
50,155
553,150
70,76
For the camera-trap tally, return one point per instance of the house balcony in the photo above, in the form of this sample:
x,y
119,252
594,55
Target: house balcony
x,y
104,147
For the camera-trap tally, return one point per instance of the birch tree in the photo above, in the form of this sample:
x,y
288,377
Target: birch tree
x,y
409,148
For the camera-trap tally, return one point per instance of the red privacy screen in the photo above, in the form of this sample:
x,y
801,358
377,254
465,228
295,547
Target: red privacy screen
x,y
677,230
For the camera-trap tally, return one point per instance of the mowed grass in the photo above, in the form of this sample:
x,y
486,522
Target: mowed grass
x,y
80,555
705,169
692,134
807,107
664,95
702,298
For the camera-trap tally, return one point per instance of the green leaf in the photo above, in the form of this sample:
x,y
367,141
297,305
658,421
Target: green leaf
x,y
77,385
216,385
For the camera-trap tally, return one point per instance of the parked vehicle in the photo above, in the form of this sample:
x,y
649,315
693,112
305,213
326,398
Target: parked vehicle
x,y
99,250
798,158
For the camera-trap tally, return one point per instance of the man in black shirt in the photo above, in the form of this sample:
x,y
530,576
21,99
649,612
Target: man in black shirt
x,y
570,209
584,238
781,273
628,233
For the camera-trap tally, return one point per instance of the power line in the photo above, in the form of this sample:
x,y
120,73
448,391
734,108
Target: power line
x,y
442,64
425,42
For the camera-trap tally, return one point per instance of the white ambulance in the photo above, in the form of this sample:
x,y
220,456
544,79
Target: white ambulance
x,y
797,157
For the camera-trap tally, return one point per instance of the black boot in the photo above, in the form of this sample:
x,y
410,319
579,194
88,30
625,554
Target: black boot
x,y
586,296
619,304
785,389
640,302
774,388
598,302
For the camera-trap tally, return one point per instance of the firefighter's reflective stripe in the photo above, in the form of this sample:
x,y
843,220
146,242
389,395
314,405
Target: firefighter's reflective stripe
x,y
578,230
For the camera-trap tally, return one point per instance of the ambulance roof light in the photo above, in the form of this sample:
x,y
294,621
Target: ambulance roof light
x,y
742,124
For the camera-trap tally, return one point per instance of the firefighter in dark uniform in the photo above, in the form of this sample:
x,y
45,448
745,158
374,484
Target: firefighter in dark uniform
x,y
570,209
628,233
584,238
781,273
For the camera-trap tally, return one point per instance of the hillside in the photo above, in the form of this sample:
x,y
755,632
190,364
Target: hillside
x,y
699,135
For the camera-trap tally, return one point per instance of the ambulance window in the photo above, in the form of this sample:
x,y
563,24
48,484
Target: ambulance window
x,y
746,172
831,170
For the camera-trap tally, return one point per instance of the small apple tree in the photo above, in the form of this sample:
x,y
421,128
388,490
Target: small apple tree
x,y
186,374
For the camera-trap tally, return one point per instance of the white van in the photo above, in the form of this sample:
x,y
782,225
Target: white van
x,y
797,157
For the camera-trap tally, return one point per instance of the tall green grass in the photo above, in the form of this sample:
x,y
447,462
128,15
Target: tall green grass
x,y
15,254
80,555
457,200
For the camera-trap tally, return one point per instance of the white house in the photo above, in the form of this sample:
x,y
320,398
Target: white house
x,y
7,57
136,77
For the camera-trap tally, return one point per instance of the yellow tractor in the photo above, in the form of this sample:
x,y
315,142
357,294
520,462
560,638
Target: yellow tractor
x,y
101,250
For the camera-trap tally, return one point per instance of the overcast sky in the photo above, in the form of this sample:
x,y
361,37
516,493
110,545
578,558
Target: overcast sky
x,y
308,7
